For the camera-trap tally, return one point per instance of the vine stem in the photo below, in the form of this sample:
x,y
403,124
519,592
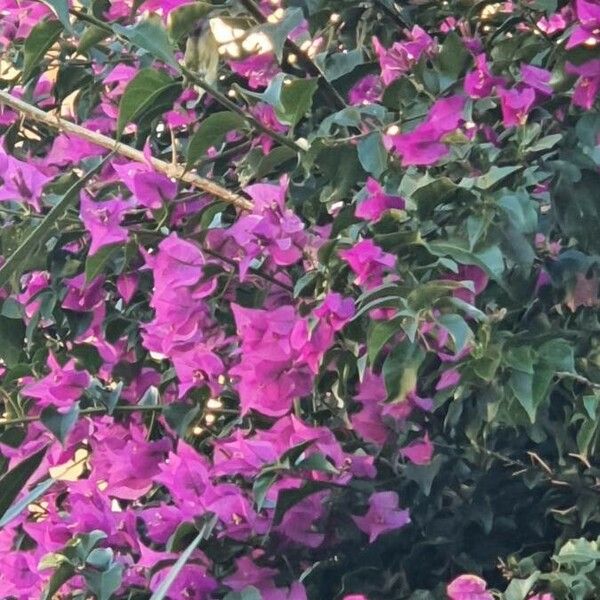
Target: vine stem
x,y
578,378
170,170
254,271
257,271
233,107
100,410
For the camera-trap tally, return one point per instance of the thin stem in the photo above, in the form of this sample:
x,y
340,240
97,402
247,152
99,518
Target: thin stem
x,y
20,213
96,410
84,16
225,154
255,271
233,107
175,171
578,378
100,410
209,89
303,59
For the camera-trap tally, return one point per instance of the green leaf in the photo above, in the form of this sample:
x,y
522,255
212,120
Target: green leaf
x,y
486,366
14,436
141,94
161,592
12,267
184,19
577,209
383,302
521,384
276,157
61,575
342,171
52,560
13,481
248,593
493,176
80,547
288,498
306,283
293,454
424,475
109,398
291,98
61,9
453,59
372,154
577,551
590,403
12,338
71,78
92,36
95,263
262,484
427,294
180,538
430,194
278,32
100,558
295,100
347,117
180,416
104,583
585,436
212,132
520,588
59,423
520,358
457,328
338,64
400,370
18,507
39,41
546,143
588,128
150,35
379,335
11,309
316,462
549,6
151,397
558,354
521,211
490,259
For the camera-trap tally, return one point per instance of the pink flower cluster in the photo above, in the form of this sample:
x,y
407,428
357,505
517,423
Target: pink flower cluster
x,y
226,326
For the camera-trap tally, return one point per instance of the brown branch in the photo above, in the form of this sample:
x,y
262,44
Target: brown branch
x,y
170,170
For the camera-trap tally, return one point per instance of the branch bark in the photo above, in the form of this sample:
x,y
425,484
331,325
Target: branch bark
x,y
170,170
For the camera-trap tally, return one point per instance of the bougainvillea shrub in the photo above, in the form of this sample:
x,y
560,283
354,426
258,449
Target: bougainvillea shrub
x,y
300,300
